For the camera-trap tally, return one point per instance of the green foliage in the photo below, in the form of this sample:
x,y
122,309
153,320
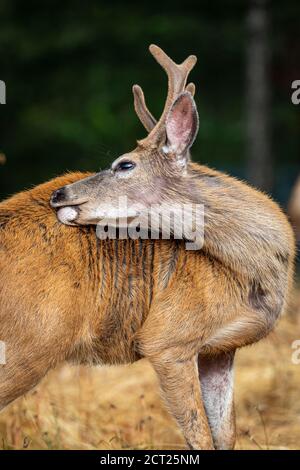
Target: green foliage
x,y
69,68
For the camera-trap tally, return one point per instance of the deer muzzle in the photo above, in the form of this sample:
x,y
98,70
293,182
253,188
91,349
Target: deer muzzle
x,y
67,206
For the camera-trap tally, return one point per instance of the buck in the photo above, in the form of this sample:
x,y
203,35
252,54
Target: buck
x,y
66,295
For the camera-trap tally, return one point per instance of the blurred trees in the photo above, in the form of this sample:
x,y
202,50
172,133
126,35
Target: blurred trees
x,y
69,68
258,89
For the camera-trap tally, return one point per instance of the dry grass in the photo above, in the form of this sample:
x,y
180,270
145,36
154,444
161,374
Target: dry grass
x,y
120,408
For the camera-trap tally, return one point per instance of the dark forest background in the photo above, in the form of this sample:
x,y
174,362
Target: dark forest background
x,y
69,67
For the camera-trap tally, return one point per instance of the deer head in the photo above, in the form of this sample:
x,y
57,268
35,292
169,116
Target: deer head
x,y
151,173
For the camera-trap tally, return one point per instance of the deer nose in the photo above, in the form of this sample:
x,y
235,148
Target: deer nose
x,y
58,197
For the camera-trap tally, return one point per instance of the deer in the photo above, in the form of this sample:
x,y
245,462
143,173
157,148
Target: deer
x,y
68,295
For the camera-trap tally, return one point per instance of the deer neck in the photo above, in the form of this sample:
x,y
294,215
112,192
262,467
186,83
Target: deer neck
x,y
243,228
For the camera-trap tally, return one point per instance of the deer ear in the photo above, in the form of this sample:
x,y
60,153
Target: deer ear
x,y
182,124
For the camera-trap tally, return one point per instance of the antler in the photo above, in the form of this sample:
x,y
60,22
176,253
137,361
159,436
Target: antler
x,y
141,109
177,77
191,88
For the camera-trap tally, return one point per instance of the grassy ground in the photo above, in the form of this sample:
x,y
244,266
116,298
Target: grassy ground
x,y
120,408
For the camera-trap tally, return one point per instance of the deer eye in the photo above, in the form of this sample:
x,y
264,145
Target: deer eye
x,y
125,166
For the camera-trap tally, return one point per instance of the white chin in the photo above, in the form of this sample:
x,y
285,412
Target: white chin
x,y
67,215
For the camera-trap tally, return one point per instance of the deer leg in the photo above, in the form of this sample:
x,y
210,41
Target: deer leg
x,y
180,389
15,383
27,362
20,374
215,364
216,380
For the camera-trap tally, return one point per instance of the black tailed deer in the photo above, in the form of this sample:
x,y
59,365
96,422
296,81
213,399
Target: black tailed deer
x,y
67,295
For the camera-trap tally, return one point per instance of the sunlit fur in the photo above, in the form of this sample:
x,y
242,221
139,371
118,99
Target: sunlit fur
x,y
65,295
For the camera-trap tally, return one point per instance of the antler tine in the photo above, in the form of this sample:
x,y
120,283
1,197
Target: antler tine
x,y
141,109
177,73
191,88
177,76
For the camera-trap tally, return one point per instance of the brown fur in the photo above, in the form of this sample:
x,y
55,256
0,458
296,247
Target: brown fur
x,y
66,295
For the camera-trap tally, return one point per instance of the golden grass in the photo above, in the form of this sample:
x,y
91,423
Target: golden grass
x,y
120,407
